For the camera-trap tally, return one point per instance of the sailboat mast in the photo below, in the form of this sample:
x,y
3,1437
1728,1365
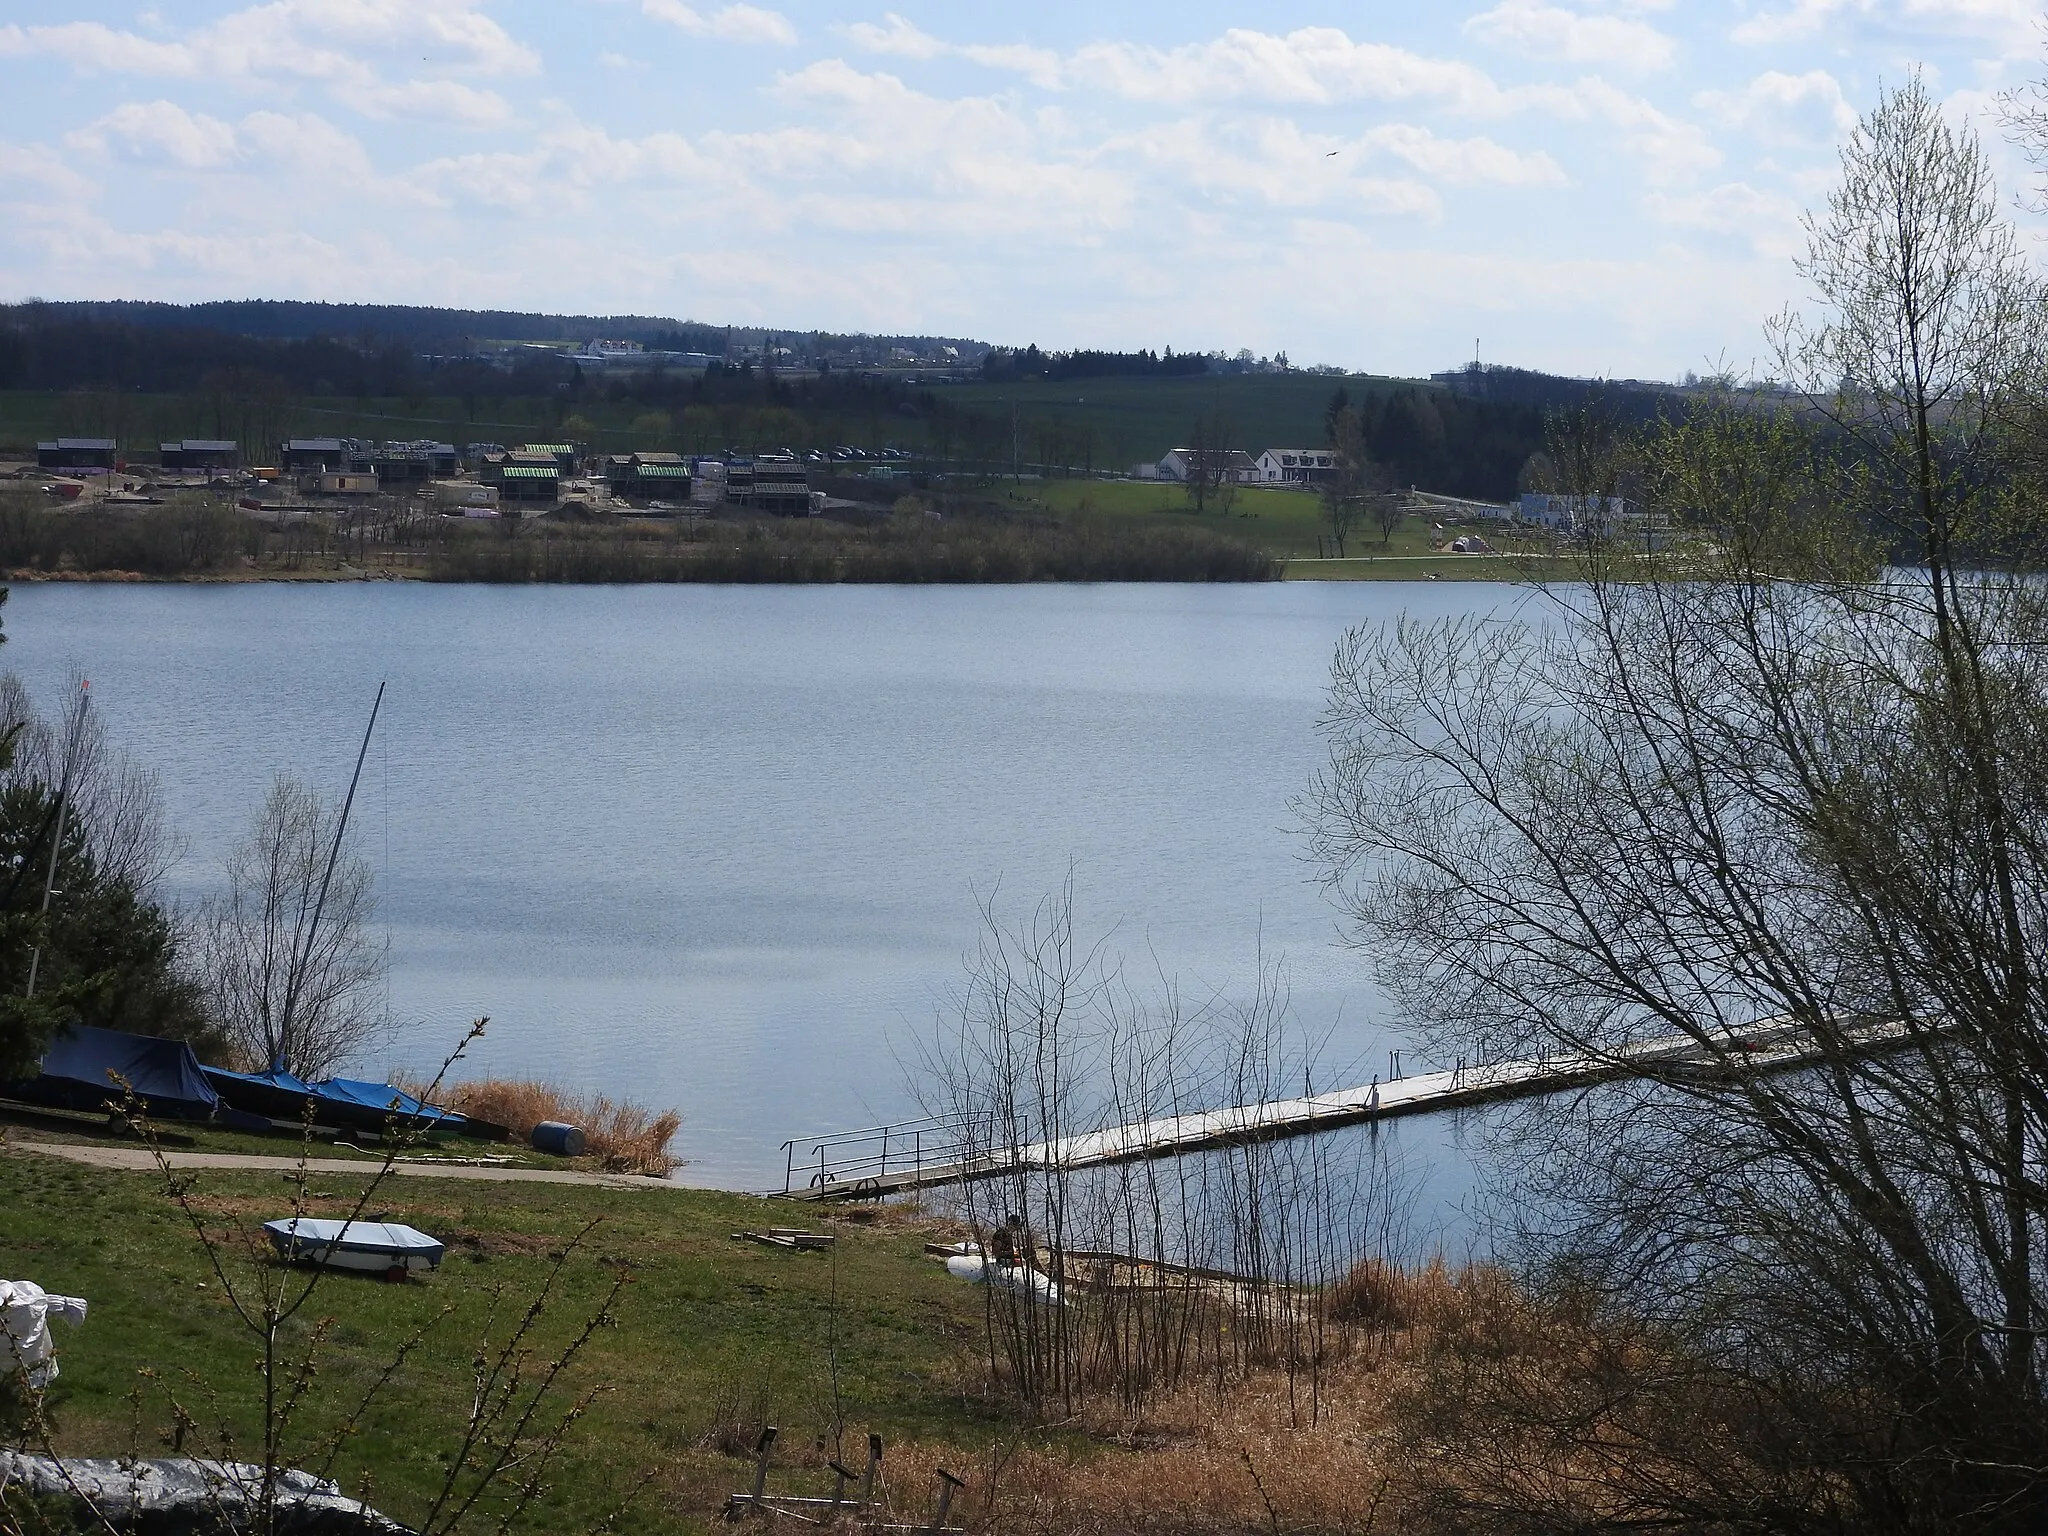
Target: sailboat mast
x,y
305,960
35,961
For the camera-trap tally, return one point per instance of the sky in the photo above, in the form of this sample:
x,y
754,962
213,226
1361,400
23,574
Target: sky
x,y
1596,187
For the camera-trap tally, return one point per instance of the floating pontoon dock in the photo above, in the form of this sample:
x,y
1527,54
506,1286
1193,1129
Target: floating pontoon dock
x,y
888,1159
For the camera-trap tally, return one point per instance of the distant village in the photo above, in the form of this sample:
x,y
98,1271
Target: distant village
x,y
473,480
489,480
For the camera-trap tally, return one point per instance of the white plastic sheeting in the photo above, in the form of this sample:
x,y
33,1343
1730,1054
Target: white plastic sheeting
x,y
25,1313
184,1496
1010,1277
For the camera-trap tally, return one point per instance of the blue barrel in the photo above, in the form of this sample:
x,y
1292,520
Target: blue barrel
x,y
562,1140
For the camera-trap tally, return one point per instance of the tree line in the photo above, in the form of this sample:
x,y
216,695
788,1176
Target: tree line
x,y
1003,365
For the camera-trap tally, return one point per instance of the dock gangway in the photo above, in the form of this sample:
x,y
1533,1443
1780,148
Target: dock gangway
x,y
891,1159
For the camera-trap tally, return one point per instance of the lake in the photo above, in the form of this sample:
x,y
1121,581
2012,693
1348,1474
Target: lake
x,y
721,847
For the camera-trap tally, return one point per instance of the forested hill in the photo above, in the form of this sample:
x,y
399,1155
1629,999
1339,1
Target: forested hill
x,y
373,325
1475,437
258,369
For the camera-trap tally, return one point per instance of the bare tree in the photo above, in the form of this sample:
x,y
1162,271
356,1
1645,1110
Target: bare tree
x,y
291,989
1342,501
1210,480
1356,488
1786,814
118,802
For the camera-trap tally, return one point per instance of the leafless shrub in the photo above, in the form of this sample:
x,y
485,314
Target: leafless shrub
x,y
292,978
1171,1270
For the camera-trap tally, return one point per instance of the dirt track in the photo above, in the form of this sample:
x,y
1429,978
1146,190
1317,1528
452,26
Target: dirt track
x,y
139,1160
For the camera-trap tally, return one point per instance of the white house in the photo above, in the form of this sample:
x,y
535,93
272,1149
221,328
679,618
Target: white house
x,y
1224,464
1599,516
1296,466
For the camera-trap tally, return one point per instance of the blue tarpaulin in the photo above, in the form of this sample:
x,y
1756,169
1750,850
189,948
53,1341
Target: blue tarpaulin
x,y
338,1101
385,1099
81,1064
276,1094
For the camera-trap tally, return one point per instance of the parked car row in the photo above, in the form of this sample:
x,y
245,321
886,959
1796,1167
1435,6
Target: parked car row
x,y
848,455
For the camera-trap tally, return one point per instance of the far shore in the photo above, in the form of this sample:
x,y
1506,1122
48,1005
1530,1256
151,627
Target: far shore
x,y
1506,569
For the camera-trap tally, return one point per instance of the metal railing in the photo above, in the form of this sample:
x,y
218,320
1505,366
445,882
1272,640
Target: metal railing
x,y
876,1152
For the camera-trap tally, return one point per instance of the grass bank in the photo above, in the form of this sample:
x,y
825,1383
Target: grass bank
x,y
971,539
909,547
1058,530
1432,1400
713,1336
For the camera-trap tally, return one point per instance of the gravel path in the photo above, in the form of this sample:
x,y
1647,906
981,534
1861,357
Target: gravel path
x,y
138,1159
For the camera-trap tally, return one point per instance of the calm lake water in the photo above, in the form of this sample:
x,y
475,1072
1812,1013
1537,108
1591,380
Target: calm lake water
x,y
720,847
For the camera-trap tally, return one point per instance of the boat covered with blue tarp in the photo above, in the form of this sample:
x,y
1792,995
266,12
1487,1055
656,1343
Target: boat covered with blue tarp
x,y
86,1067
341,1102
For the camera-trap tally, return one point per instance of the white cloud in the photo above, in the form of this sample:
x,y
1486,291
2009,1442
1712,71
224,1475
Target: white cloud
x,y
733,24
1041,66
1765,221
1463,161
1671,149
339,44
38,167
1552,32
91,45
159,131
1784,109
896,36
1312,67
1271,161
302,143
311,39
879,156
429,101
164,133
2009,22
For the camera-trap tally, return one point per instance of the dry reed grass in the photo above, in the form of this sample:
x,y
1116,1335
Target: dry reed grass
x,y
623,1137
1240,1458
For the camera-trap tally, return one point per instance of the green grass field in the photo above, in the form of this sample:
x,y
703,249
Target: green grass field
x,y
1138,420
1287,524
1284,523
713,1336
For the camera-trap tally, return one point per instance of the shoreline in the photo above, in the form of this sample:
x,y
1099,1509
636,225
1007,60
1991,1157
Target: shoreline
x,y
1499,569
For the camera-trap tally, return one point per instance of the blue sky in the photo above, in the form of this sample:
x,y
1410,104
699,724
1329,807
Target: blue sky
x,y
1591,186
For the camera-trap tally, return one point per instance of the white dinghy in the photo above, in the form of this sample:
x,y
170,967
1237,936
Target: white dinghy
x,y
375,1247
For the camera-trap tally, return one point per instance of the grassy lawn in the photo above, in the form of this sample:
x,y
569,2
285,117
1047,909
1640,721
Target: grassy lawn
x,y
1138,420
713,1335
1287,524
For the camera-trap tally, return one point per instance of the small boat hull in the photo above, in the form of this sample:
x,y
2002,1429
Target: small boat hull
x,y
372,1247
